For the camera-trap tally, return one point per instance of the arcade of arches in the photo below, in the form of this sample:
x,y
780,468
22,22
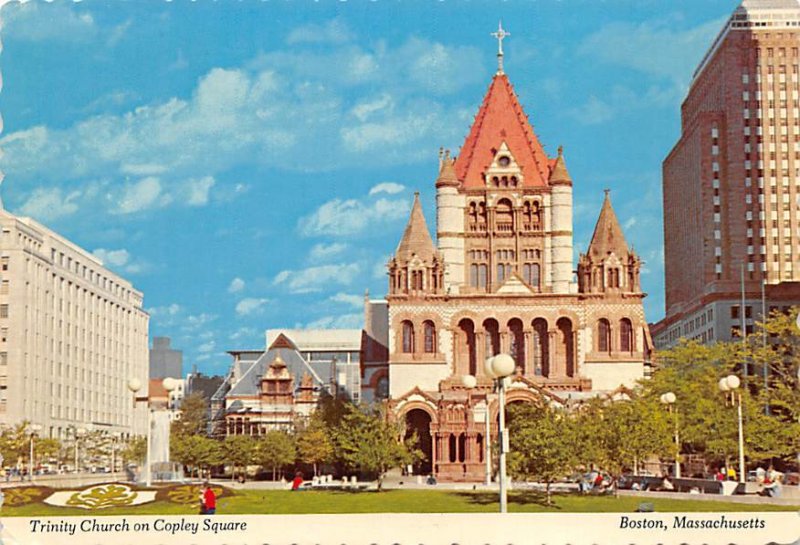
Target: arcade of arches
x,y
540,349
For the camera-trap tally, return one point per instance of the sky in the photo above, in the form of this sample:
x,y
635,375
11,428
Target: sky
x,y
251,165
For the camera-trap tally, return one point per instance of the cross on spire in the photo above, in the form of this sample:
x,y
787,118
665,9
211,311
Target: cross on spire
x,y
500,35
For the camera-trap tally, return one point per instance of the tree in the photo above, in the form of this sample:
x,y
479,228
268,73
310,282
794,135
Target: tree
x,y
276,450
313,444
195,451
194,416
46,448
367,441
239,450
135,450
542,443
14,443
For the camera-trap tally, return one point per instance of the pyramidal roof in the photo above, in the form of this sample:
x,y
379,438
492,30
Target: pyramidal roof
x,y
416,238
607,235
501,119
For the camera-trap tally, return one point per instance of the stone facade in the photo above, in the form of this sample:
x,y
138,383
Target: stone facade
x,y
501,280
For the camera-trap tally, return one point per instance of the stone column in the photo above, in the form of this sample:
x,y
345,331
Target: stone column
x,y
574,352
527,358
480,351
552,364
504,344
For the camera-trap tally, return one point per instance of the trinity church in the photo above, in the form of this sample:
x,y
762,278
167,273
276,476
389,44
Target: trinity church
x,y
500,279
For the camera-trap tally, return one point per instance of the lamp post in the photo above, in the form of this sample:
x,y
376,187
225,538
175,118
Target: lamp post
x,y
33,431
669,399
730,384
134,385
498,368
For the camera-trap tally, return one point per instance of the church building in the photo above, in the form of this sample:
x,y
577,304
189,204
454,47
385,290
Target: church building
x,y
500,279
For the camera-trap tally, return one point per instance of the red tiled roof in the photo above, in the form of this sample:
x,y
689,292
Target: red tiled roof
x,y
501,119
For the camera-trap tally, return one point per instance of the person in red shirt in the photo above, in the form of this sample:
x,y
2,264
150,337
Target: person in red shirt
x,y
297,482
208,500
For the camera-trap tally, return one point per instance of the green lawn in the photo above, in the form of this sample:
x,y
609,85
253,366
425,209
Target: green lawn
x,y
398,501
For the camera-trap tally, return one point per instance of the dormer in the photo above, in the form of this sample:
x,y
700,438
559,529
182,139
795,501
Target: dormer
x,y
504,172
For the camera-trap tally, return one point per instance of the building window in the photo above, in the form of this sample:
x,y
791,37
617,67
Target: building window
x,y
430,337
625,335
613,278
408,337
735,311
3,311
382,388
531,274
603,335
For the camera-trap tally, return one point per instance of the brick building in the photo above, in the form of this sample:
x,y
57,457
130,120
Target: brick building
x,y
732,181
501,279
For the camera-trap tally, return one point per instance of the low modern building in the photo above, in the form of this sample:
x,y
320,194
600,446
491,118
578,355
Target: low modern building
x,y
72,333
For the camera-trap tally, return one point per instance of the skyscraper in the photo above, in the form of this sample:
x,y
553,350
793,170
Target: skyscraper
x,y
732,181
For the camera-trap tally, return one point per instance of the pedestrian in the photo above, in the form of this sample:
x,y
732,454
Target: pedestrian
x,y
731,474
297,482
208,500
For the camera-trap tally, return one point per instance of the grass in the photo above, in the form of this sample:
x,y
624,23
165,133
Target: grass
x,y
270,502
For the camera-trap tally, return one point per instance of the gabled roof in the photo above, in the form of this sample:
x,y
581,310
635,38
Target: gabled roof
x,y
500,118
291,360
416,238
282,341
608,235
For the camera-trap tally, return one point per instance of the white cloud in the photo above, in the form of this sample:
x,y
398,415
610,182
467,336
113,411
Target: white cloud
x,y
205,348
113,258
314,279
342,321
144,194
50,204
352,216
197,190
364,110
660,48
390,188
195,322
245,332
379,269
333,32
43,21
300,101
236,285
323,252
167,310
356,301
250,305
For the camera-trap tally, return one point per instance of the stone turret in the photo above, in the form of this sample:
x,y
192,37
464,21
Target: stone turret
x,y
608,265
416,268
450,204
560,226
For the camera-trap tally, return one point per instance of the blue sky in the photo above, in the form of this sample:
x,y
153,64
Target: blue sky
x,y
251,165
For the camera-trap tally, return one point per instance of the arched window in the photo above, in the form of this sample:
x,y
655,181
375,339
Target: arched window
x,y
536,216
625,335
504,216
531,272
430,337
451,444
382,388
462,447
603,335
473,213
408,337
473,275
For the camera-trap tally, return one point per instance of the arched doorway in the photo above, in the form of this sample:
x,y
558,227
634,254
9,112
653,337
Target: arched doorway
x,y
540,348
466,360
418,422
566,346
518,347
492,338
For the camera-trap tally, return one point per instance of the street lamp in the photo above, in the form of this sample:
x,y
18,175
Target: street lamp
x,y
34,429
134,385
669,399
730,384
498,368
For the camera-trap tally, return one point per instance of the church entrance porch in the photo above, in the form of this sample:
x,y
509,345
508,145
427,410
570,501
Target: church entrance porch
x,y
418,423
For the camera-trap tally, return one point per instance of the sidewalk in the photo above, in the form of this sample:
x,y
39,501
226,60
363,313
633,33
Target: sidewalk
x,y
785,499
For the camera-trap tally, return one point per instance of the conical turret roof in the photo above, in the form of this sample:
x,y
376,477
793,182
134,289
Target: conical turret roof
x,y
607,235
559,174
416,238
501,119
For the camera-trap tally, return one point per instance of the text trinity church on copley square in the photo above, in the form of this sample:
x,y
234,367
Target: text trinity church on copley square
x,y
500,279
